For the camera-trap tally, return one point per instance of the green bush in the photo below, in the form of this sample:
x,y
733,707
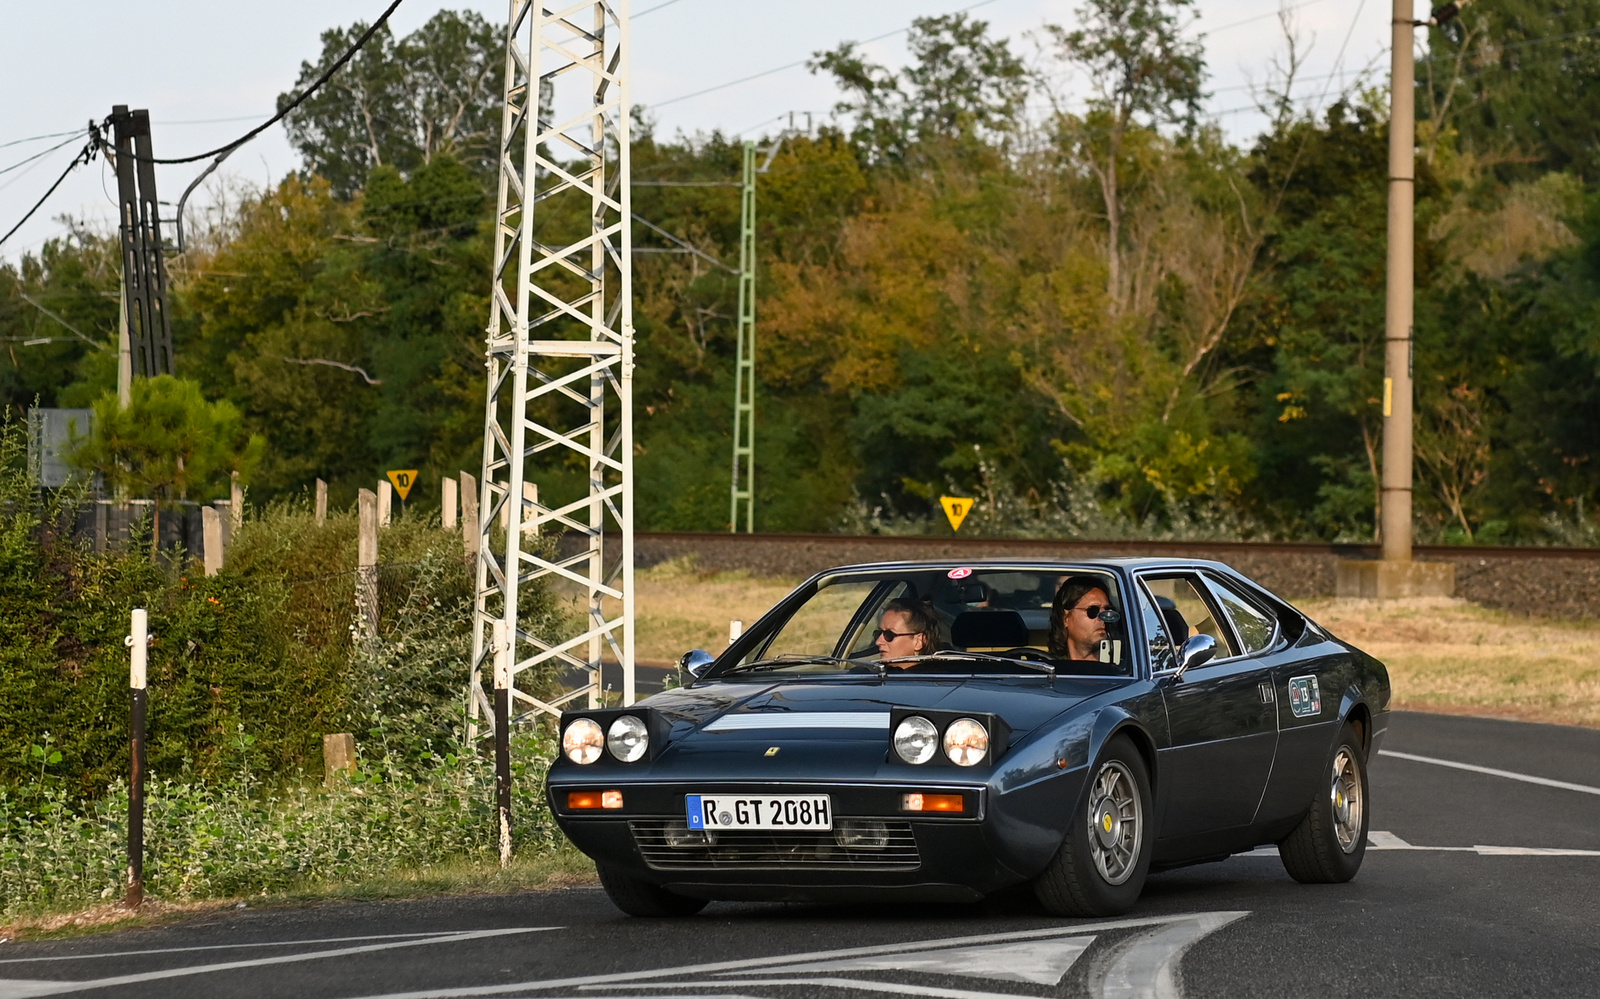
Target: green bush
x,y
231,838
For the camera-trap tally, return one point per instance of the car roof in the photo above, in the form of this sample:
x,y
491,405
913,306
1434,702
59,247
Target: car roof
x,y
1111,562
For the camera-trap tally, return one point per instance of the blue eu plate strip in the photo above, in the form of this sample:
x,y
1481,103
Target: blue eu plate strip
x,y
696,815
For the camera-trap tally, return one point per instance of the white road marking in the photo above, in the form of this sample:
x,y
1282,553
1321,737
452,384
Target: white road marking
x,y
1380,840
1148,965
1040,962
58,988
236,946
1492,772
1386,841
861,984
22,988
779,963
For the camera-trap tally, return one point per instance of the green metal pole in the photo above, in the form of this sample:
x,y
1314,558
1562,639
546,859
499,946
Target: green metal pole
x,y
742,492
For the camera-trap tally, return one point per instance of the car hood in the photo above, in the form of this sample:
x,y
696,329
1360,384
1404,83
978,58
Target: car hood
x,y
820,723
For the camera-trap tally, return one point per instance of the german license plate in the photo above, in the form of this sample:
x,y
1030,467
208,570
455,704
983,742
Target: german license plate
x,y
767,811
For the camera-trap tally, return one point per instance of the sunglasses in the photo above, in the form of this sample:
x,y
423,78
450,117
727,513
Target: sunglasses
x,y
1107,614
889,636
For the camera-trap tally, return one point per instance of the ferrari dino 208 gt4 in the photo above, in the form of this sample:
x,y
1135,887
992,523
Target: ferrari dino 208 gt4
x,y
944,730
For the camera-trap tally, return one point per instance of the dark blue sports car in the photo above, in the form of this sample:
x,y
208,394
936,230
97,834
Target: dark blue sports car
x,y
942,731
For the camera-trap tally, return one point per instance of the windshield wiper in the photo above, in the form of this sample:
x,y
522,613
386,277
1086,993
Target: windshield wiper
x,y
792,659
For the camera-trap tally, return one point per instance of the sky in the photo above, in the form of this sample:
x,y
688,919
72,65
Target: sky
x,y
209,70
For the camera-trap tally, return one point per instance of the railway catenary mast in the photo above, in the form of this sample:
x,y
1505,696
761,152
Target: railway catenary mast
x,y
560,365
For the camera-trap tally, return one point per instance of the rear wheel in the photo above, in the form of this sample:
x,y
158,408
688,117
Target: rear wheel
x,y
1101,866
638,897
1329,843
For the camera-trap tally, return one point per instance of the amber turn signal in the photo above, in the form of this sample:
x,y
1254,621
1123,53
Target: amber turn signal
x,y
594,799
932,803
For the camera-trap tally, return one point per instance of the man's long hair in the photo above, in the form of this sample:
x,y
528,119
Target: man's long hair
x,y
1067,597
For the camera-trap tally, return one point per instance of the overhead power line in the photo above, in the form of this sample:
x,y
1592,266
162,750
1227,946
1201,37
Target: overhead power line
x,y
84,156
284,111
37,138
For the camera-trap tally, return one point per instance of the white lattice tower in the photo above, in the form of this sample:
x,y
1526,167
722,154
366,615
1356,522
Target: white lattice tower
x,y
560,360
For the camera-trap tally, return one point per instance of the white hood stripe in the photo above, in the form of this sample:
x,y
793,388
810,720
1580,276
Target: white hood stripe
x,y
769,720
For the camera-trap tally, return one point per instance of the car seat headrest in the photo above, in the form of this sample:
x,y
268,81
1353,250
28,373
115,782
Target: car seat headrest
x,y
989,629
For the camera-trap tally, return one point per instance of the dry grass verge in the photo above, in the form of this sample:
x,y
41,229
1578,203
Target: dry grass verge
x,y
680,608
1452,656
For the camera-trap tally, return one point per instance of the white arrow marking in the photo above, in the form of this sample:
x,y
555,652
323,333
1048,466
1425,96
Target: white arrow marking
x,y
778,964
230,946
1148,964
1492,772
1040,962
38,988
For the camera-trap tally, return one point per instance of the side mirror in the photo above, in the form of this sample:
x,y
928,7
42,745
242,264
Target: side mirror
x,y
693,665
1197,651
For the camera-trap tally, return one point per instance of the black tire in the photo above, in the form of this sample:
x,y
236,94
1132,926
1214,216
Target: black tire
x,y
1329,843
1102,875
638,897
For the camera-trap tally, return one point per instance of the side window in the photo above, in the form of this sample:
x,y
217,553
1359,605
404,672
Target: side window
x,y
1162,655
1256,628
816,625
1183,605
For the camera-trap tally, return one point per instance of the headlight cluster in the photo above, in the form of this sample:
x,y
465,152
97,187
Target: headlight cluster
x,y
628,739
966,741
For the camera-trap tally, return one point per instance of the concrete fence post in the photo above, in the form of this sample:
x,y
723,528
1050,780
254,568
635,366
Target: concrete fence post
x,y
236,508
385,502
447,503
367,564
338,756
321,503
211,539
469,515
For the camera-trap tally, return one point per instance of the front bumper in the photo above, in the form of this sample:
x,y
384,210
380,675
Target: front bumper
x,y
875,848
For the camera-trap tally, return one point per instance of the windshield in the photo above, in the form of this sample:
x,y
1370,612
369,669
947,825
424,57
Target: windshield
x,y
950,620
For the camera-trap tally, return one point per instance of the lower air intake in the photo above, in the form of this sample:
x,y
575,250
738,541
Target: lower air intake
x,y
871,845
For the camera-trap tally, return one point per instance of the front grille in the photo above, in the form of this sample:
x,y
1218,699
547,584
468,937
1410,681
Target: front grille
x,y
875,845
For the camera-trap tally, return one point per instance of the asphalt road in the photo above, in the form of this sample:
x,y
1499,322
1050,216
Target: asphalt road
x,y
1477,884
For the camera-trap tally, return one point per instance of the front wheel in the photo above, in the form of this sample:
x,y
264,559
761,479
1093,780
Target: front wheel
x,y
1329,843
638,897
1101,866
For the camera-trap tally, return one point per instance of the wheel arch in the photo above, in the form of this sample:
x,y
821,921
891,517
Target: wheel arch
x,y
1356,712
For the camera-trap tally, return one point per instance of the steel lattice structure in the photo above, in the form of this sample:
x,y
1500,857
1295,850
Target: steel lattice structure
x,y
742,492
560,364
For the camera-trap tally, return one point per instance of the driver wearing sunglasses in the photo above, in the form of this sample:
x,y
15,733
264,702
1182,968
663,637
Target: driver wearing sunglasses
x,y
1079,617
906,628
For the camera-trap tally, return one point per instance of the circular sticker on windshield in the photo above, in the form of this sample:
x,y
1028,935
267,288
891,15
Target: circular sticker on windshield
x,y
961,573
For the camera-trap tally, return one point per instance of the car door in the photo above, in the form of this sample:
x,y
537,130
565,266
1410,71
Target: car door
x,y
1222,715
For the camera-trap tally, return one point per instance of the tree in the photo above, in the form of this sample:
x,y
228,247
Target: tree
x,y
1144,73
961,84
169,443
401,104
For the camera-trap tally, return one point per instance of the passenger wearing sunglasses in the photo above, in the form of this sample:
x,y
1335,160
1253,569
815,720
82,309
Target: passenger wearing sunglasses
x,y
1079,617
906,628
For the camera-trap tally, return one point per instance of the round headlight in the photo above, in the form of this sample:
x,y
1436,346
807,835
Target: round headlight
x,y
582,741
915,739
966,742
628,739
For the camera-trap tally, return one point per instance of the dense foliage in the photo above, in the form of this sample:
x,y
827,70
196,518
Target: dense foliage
x,y
1109,305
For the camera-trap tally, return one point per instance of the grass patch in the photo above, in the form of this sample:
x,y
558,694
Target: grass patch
x,y
1453,656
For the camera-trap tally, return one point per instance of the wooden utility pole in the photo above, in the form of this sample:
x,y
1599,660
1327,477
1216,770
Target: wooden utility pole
x,y
1395,498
